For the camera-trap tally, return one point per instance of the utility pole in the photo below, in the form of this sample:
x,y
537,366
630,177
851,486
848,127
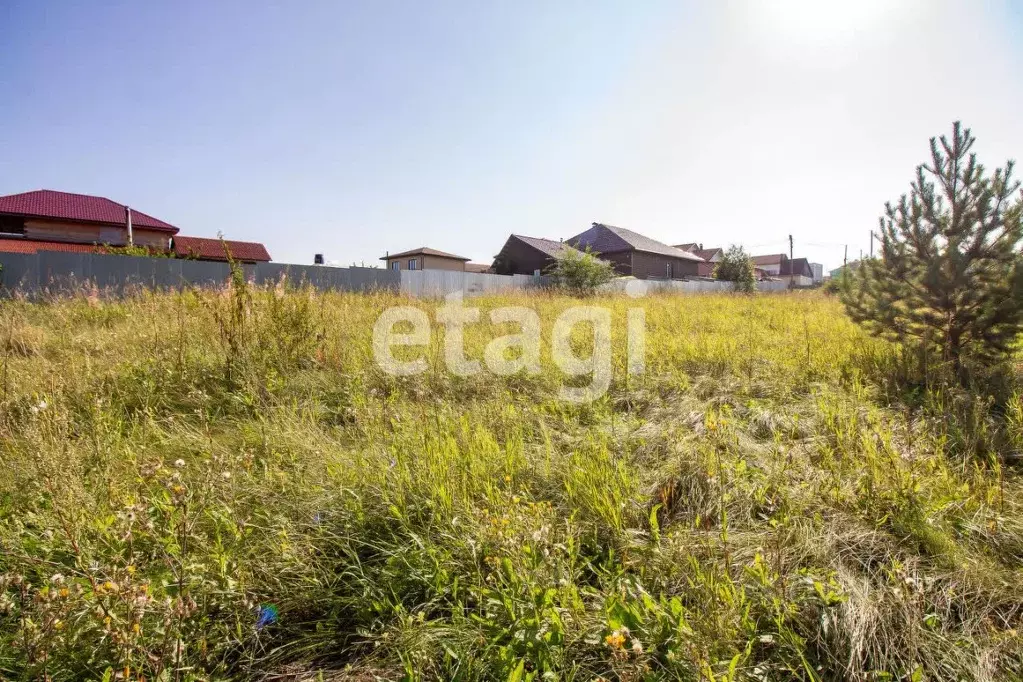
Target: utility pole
x,y
871,243
845,256
790,247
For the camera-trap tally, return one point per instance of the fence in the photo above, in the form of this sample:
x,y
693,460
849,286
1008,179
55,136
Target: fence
x,y
688,287
52,271
444,282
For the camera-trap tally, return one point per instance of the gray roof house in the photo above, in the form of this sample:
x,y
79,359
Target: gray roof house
x,y
637,255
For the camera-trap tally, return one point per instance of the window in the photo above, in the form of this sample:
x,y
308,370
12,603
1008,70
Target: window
x,y
413,263
396,265
10,224
667,270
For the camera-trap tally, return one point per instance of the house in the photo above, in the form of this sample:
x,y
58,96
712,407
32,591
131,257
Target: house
x,y
47,216
796,272
522,255
425,258
711,257
479,268
771,264
46,220
818,272
201,248
837,272
636,255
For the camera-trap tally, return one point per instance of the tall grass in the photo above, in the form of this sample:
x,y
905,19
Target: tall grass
x,y
224,485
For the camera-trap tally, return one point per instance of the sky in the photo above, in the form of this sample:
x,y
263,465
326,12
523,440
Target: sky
x,y
356,127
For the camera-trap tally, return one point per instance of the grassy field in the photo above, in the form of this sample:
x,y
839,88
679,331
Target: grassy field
x,y
224,485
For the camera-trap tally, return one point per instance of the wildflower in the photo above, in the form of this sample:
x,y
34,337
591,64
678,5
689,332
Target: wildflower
x,y
637,647
267,615
615,640
226,475
179,463
57,578
41,406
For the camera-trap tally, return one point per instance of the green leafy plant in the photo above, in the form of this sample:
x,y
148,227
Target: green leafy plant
x,y
736,266
581,272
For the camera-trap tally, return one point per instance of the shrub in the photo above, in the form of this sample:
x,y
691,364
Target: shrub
x,y
581,272
736,266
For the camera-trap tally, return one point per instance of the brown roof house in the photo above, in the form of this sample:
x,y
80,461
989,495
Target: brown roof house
x,y
711,257
771,263
636,255
425,258
522,255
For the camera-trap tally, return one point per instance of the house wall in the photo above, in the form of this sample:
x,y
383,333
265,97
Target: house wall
x,y
517,258
654,266
771,268
438,263
706,269
622,261
85,233
428,263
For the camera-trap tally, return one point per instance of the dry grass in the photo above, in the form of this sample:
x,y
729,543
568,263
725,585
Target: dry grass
x,y
769,500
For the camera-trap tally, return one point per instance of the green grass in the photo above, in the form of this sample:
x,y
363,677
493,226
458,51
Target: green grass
x,y
771,500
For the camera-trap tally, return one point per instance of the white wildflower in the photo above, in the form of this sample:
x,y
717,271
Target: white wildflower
x,y
179,463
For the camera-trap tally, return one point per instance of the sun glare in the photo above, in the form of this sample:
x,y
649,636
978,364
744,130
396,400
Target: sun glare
x,y
818,22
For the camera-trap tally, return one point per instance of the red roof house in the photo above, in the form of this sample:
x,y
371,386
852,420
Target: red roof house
x,y
46,220
48,216
214,249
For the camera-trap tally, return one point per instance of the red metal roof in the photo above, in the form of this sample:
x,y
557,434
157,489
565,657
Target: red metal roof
x,y
213,249
46,203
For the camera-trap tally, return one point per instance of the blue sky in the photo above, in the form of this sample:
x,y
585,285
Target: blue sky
x,y
352,128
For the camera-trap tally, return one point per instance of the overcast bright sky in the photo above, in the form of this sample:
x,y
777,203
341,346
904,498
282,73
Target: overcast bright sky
x,y
354,128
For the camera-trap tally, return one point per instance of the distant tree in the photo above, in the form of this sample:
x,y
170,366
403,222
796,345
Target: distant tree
x,y
581,272
736,266
949,278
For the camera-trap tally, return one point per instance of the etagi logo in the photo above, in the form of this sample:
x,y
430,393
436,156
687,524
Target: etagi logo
x,y
454,316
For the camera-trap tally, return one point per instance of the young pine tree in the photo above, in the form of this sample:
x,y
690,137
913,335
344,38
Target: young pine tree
x,y
949,280
736,266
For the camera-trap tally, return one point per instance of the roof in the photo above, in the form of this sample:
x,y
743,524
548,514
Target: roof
x,y
549,247
707,254
423,251
212,249
30,246
46,203
691,247
796,266
477,267
610,239
770,259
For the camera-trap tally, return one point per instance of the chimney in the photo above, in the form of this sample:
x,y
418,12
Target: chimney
x,y
127,219
318,259
701,246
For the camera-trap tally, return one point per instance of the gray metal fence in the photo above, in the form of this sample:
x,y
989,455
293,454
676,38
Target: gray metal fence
x,y
444,282
53,271
56,272
683,287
